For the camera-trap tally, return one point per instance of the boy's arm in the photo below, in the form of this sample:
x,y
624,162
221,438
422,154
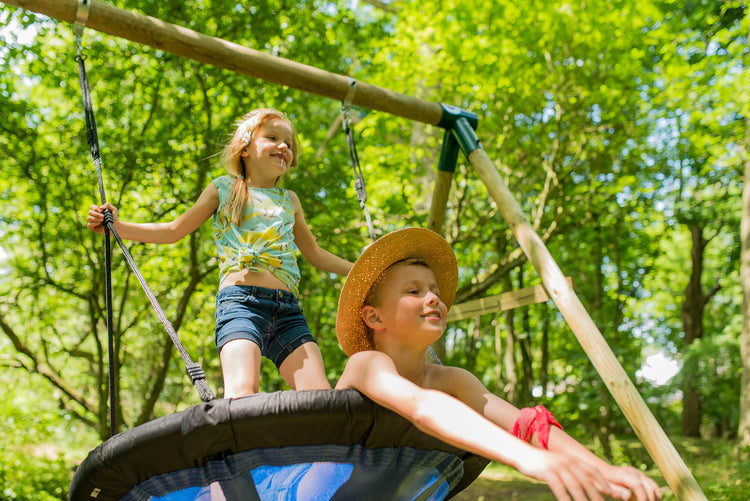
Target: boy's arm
x,y
450,420
308,245
466,387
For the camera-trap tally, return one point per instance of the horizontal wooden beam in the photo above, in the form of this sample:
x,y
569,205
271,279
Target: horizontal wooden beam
x,y
220,53
500,302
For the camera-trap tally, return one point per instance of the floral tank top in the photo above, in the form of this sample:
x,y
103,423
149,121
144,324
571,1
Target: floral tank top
x,y
265,239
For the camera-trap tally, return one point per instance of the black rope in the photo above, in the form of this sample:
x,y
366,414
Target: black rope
x,y
359,179
193,369
93,141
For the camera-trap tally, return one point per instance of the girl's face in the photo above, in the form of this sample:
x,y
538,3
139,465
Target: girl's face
x,y
269,154
409,302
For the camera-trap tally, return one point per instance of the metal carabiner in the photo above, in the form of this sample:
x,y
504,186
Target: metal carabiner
x,y
82,16
346,104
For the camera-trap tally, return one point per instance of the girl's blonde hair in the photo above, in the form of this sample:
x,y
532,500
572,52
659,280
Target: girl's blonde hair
x,y
235,164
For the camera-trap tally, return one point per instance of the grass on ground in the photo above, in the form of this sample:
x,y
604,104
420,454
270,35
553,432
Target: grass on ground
x,y
722,472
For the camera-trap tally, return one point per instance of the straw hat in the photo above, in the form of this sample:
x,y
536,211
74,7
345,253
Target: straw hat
x,y
418,243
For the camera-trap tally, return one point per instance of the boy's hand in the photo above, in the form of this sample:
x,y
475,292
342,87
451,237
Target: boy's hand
x,y
642,487
576,480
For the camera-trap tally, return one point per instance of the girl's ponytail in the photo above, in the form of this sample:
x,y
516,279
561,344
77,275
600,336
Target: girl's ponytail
x,y
238,200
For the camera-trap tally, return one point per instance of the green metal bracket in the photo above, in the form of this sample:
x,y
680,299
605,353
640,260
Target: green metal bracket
x,y
459,128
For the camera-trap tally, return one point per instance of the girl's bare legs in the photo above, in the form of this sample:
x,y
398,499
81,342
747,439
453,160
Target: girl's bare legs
x,y
240,366
303,369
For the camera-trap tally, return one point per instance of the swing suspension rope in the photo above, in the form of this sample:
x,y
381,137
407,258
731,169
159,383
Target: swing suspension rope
x,y
193,369
359,180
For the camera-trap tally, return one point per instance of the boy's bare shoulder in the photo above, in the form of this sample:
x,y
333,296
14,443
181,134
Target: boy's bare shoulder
x,y
368,356
452,380
363,365
449,371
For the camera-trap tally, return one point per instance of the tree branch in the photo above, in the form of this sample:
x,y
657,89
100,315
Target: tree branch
x,y
382,6
41,368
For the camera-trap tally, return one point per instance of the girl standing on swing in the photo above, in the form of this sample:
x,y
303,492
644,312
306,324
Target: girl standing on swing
x,y
257,228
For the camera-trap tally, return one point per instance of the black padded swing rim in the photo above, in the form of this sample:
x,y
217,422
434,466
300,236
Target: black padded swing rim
x,y
216,429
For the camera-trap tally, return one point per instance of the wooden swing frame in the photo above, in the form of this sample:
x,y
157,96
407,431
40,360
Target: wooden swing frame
x,y
220,53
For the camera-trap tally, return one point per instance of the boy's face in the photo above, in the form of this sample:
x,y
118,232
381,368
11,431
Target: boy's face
x,y
408,300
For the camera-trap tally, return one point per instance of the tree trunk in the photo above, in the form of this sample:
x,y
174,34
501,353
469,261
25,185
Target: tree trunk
x,y
499,351
744,427
604,416
527,375
511,369
544,356
472,341
524,344
692,324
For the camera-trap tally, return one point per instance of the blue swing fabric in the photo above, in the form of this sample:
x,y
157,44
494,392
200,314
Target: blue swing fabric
x,y
313,445
329,472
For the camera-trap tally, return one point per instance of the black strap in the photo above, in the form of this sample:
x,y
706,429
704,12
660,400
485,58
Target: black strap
x,y
194,370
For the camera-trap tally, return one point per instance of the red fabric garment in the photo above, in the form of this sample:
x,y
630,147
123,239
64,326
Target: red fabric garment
x,y
534,420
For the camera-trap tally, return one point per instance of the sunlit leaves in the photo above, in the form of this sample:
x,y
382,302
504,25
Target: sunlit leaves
x,y
596,114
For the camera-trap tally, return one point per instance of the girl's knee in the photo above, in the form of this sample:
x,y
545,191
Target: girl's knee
x,y
242,388
303,369
240,366
311,383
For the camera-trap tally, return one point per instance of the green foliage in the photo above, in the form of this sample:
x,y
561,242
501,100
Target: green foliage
x,y
729,475
40,442
715,364
26,479
616,124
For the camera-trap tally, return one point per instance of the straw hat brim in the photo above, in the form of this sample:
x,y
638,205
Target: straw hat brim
x,y
408,243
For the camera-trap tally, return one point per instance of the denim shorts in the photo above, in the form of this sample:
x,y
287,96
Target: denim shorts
x,y
271,318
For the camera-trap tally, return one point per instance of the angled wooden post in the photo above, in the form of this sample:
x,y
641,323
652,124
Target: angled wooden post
x,y
619,384
440,192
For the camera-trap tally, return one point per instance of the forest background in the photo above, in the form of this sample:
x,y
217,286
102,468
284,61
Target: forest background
x,y
622,127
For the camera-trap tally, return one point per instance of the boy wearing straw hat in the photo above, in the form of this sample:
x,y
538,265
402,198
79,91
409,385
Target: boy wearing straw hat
x,y
392,307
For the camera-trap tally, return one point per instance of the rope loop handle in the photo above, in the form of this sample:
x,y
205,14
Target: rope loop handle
x,y
194,371
198,378
108,217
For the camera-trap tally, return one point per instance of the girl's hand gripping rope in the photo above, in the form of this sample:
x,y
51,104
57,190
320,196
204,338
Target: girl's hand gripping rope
x,y
96,217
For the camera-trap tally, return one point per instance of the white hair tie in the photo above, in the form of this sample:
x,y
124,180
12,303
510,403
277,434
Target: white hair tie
x,y
246,138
